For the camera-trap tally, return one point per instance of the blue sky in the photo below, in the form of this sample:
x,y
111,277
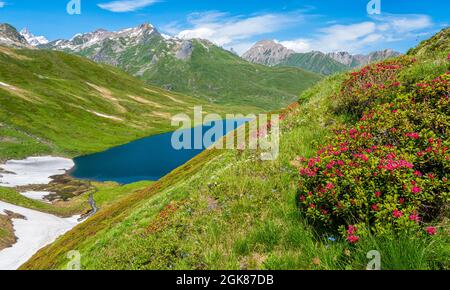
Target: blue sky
x,y
302,25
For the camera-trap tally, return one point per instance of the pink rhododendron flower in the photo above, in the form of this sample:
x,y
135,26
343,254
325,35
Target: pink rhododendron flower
x,y
397,213
431,231
416,189
414,217
352,230
413,135
352,239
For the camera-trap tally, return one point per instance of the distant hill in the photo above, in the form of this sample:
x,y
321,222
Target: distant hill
x,y
438,44
314,61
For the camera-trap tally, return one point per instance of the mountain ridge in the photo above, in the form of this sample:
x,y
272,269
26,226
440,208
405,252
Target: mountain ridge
x,y
9,36
272,53
32,39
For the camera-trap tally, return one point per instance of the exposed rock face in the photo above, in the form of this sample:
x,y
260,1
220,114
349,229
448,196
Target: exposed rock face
x,y
381,55
101,38
360,59
10,37
342,57
133,49
267,52
185,51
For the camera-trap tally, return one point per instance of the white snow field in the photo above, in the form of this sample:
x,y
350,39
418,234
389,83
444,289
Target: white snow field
x,y
37,231
37,195
33,170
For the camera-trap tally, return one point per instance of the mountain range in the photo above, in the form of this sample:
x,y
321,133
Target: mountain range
x,y
268,76
195,67
272,53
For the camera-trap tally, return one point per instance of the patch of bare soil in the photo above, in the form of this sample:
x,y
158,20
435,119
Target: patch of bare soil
x,y
7,236
63,188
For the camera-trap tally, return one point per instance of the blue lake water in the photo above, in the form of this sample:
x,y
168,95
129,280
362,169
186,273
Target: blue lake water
x,y
147,159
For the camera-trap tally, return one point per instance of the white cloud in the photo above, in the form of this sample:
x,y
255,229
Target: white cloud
x,y
298,45
233,31
406,23
358,36
2,4
126,5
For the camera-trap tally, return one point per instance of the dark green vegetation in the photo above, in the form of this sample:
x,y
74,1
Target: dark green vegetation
x,y
221,77
315,62
55,103
7,236
229,210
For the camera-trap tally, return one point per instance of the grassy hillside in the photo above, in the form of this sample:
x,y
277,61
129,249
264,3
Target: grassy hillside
x,y
316,62
229,210
55,103
221,77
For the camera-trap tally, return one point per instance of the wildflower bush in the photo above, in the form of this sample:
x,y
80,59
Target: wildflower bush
x,y
389,172
373,84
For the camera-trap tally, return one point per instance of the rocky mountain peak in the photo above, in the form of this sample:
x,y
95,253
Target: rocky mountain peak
x,y
267,52
342,57
32,39
9,36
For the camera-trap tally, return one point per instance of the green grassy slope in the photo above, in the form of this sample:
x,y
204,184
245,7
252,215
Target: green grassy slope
x,y
221,77
52,102
315,62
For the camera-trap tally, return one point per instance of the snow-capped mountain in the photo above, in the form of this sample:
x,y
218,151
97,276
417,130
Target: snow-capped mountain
x,y
134,49
32,39
126,37
10,37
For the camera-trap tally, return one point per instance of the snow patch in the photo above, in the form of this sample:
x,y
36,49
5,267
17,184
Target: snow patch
x,y
33,170
105,116
36,195
8,86
34,233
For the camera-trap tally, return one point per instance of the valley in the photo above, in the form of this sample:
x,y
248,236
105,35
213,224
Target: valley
x,y
87,161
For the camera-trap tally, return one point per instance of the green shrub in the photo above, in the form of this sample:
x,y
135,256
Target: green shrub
x,y
373,84
390,172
